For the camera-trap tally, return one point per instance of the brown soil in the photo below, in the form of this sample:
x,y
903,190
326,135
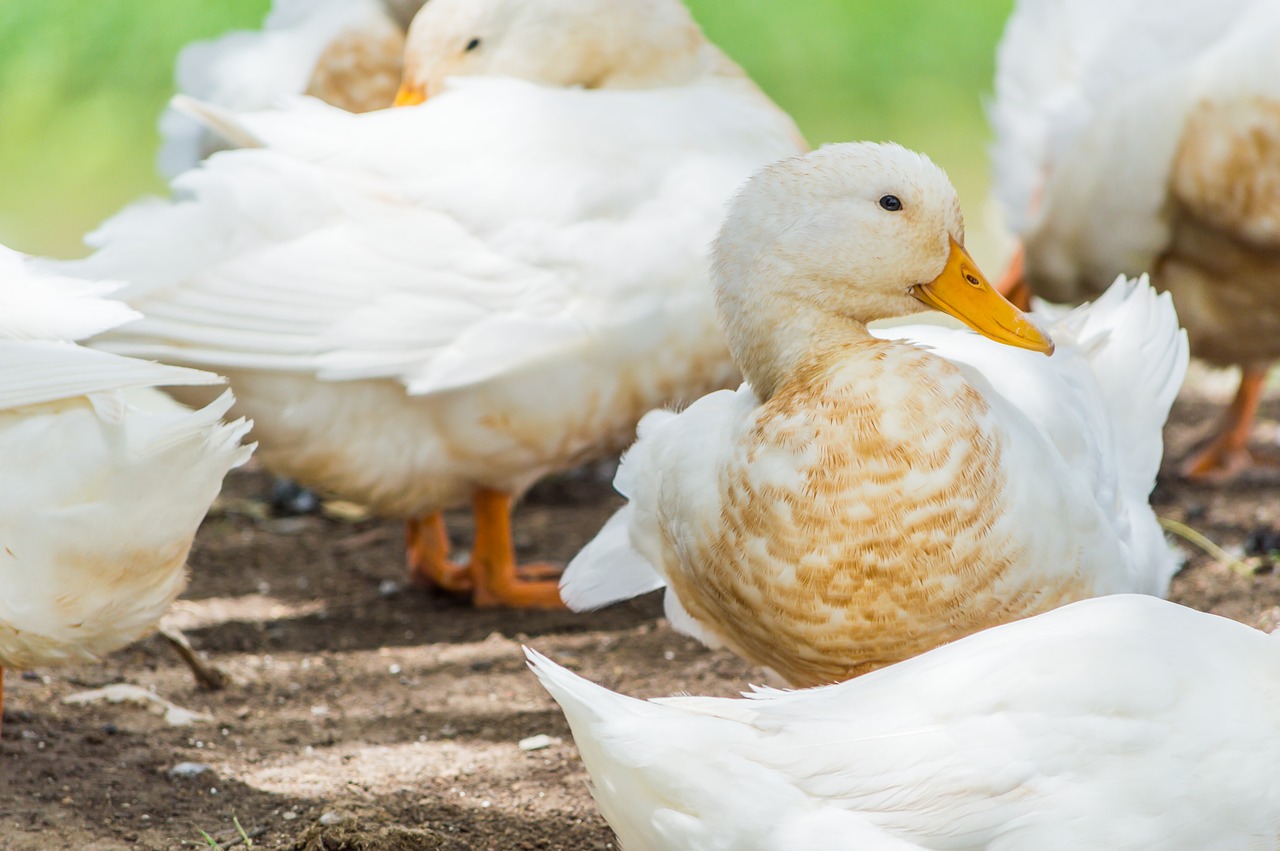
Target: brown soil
x,y
367,716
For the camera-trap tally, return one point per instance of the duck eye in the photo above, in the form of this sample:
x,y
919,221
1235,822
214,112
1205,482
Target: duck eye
x,y
891,203
472,45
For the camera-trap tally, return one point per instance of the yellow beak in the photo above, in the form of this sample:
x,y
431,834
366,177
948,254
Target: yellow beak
x,y
963,292
410,95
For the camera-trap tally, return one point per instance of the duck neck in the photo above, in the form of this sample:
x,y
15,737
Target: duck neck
x,y
785,339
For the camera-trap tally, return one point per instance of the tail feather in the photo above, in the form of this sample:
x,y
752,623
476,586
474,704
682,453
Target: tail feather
x,y
221,121
1139,354
581,699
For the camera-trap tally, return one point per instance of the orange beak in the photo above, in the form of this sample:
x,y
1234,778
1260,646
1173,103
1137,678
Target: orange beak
x,y
962,291
410,94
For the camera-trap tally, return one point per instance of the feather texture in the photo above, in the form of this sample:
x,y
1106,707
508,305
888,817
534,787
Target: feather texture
x,y
1121,722
103,491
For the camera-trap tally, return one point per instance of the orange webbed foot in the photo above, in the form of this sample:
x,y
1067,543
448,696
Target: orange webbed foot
x,y
427,552
499,581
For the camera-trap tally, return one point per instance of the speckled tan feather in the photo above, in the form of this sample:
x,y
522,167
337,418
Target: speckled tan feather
x,y
887,543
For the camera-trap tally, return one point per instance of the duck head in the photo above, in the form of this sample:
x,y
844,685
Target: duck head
x,y
827,242
590,43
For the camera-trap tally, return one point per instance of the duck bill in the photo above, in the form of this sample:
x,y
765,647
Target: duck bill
x,y
963,292
410,95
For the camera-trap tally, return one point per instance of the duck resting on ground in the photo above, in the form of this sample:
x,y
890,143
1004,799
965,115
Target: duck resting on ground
x,y
101,492
1143,136
1123,722
872,493
439,304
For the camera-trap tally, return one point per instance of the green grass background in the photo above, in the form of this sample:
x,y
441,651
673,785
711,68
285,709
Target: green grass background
x,y
81,85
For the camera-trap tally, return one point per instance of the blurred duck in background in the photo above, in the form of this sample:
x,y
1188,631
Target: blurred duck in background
x,y
1143,136
103,483
872,493
1123,722
349,53
425,306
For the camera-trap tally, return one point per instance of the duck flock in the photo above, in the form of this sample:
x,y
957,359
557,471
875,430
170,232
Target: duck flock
x,y
437,252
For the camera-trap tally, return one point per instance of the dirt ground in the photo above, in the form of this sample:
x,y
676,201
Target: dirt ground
x,y
367,716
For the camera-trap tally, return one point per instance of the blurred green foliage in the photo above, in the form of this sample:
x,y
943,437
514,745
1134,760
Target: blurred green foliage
x,y
82,83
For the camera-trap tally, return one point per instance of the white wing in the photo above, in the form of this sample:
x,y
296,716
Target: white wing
x,y
1101,401
498,224
1094,725
56,309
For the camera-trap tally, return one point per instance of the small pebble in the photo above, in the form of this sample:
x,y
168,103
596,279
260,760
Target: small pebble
x,y
289,816
388,588
332,818
537,743
189,769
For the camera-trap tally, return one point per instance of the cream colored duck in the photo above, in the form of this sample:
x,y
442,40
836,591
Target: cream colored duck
x,y
871,494
438,304
99,497
1124,722
1144,136
349,53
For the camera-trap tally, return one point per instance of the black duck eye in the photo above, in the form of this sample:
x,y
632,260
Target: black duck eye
x,y
472,45
891,203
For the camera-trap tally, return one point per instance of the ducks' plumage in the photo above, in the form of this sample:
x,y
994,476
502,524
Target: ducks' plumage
x,y
896,490
103,487
1120,722
349,53
417,303
1143,136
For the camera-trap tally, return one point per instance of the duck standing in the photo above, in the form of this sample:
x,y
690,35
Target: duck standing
x,y
1144,137
872,493
439,304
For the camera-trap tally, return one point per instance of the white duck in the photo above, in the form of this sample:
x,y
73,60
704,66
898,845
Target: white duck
x,y
870,495
1123,722
349,53
99,498
1144,136
430,305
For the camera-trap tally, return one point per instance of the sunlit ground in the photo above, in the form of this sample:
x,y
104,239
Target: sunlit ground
x,y
81,85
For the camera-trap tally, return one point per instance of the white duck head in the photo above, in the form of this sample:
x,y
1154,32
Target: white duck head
x,y
629,44
817,246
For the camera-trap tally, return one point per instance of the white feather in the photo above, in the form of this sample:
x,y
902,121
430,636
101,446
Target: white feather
x,y
1120,722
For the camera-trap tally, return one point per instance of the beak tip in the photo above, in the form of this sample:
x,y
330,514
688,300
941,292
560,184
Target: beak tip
x,y
409,96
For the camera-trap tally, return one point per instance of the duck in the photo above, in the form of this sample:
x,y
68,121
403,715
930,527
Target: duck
x,y
348,53
104,485
1123,722
871,493
1144,137
437,304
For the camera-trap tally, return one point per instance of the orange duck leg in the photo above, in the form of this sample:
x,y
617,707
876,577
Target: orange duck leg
x,y
1227,455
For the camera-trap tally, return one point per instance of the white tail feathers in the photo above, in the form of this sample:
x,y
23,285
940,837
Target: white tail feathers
x,y
1139,354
